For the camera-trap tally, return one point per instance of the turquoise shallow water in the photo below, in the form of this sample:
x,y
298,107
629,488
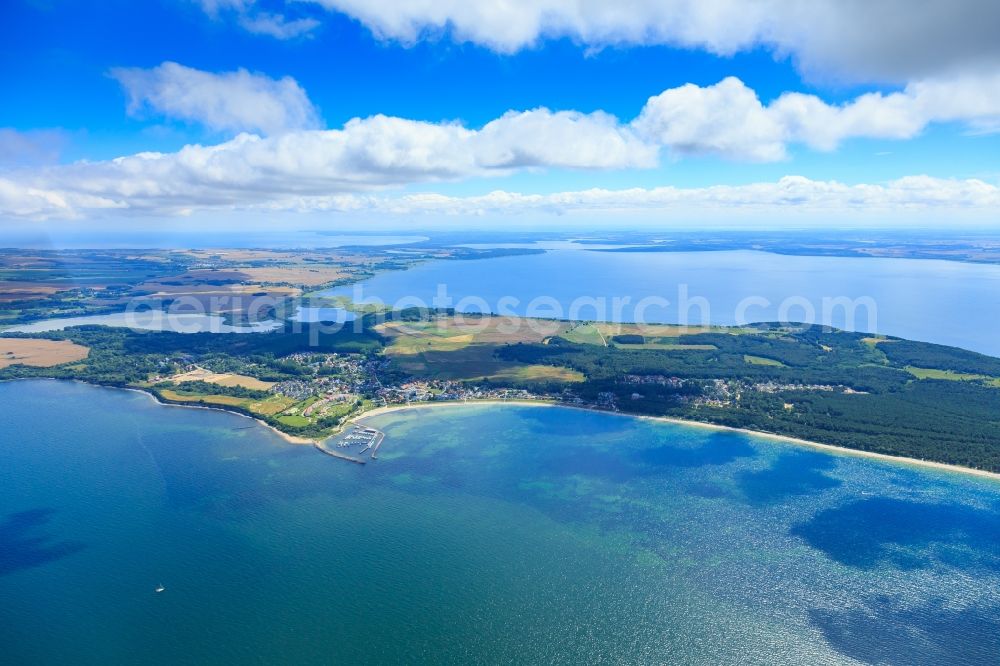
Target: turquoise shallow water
x,y
482,535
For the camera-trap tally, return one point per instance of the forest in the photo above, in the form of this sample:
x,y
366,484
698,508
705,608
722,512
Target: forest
x,y
878,394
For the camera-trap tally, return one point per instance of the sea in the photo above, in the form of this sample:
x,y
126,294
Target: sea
x,y
481,535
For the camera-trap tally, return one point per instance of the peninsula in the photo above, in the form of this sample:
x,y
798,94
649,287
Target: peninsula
x,y
875,394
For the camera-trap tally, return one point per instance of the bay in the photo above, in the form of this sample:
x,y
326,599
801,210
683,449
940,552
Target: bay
x,y
483,534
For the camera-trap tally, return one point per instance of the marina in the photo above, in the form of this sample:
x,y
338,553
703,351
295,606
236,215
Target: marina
x,y
357,444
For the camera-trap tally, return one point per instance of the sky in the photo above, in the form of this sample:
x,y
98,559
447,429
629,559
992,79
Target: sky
x,y
529,114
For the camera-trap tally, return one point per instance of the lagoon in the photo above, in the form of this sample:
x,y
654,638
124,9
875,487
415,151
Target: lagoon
x,y
946,302
158,320
491,534
149,320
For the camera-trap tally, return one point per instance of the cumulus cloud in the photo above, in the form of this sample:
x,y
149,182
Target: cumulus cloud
x,y
728,118
301,168
725,119
790,192
20,200
366,154
226,101
889,40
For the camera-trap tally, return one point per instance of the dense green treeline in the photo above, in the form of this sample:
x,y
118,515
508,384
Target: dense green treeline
x,y
823,385
807,364
202,388
120,356
926,355
886,409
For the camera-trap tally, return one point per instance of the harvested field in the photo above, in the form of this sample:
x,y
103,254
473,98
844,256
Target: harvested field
x,y
39,353
452,333
226,400
308,276
222,379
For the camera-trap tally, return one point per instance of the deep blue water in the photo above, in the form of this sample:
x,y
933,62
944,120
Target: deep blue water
x,y
481,535
946,302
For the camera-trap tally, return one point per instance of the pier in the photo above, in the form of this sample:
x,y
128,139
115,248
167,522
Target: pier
x,y
368,439
321,446
378,443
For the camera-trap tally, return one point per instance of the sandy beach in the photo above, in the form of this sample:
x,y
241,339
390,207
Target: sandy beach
x,y
829,448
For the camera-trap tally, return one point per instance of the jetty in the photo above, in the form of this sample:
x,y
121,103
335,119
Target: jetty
x,y
323,448
378,443
368,439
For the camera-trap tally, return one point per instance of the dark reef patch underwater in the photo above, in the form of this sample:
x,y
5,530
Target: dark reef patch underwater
x,y
483,534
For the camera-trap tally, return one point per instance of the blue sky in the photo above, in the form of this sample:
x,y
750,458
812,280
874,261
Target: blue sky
x,y
85,83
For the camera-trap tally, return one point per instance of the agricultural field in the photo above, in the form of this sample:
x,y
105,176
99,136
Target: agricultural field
x,y
46,283
450,333
665,344
39,353
43,283
19,291
242,284
271,405
951,375
464,348
300,276
762,360
222,379
208,399
654,336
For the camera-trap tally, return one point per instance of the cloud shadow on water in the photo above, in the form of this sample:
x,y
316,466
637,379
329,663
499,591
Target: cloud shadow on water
x,y
720,448
23,545
906,534
791,474
887,632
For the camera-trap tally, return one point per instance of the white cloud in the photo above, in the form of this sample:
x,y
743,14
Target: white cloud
x,y
214,7
728,118
893,40
788,193
301,168
274,24
724,119
780,198
366,154
277,26
226,101
19,200
541,138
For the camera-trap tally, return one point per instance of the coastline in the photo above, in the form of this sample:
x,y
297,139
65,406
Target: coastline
x,y
787,439
378,411
291,439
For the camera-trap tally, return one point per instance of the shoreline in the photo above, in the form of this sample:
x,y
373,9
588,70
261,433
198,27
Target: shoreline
x,y
291,439
786,439
378,411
